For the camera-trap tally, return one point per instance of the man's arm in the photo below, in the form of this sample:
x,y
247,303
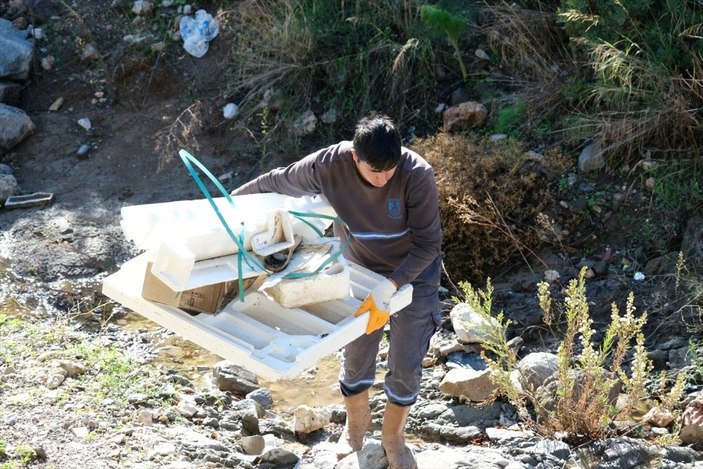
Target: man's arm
x,y
296,180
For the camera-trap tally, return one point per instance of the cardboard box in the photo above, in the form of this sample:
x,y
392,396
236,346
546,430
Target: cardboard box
x,y
206,299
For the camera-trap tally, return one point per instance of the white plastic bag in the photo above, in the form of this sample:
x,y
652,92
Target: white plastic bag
x,y
198,32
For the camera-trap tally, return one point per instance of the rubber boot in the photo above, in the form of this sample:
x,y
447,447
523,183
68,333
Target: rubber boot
x,y
358,419
393,437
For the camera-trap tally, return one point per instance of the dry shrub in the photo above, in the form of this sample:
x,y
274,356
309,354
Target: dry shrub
x,y
530,43
490,195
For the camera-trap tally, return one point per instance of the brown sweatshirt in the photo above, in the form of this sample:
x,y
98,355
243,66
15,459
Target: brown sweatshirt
x,y
395,229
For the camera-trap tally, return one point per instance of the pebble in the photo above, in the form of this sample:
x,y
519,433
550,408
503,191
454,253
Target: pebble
x,y
56,105
83,150
85,123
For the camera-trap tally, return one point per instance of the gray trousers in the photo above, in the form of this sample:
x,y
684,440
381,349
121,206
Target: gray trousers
x,y
410,332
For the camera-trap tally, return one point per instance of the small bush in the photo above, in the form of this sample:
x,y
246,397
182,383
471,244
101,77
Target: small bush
x,y
491,196
578,404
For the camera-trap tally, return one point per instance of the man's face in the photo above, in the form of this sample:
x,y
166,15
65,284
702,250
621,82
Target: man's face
x,y
372,176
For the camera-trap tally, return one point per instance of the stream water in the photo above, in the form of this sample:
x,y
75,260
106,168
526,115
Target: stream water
x,y
317,386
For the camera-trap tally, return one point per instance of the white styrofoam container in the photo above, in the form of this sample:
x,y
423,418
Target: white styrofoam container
x,y
148,225
259,334
332,283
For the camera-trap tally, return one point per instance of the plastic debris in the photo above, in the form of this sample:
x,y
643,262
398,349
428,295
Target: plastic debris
x,y
198,32
29,200
639,276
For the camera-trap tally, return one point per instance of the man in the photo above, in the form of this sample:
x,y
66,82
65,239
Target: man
x,y
387,196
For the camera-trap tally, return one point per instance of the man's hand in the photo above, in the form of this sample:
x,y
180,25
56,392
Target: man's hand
x,y
377,303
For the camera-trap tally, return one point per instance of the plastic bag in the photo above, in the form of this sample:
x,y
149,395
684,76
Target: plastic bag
x,y
198,32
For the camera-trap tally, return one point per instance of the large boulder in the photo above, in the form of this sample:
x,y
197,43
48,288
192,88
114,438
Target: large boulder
x,y
17,52
15,126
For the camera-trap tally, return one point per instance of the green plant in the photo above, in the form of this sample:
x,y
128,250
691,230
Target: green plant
x,y
25,453
3,449
511,118
442,21
350,57
645,65
588,375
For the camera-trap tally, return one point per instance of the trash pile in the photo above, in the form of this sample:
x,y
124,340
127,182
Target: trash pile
x,y
266,289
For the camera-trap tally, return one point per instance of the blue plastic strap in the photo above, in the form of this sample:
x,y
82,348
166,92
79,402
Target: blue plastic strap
x,y
243,254
301,216
239,241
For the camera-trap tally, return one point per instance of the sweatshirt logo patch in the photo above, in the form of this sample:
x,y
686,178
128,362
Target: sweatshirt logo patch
x,y
394,210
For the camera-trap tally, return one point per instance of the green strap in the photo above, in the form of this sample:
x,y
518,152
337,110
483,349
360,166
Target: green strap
x,y
301,216
239,241
243,254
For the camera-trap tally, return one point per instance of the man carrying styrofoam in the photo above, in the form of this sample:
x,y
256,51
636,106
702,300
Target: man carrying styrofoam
x,y
387,196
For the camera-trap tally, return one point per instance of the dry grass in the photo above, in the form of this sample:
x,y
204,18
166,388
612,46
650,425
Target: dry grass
x,y
491,195
350,56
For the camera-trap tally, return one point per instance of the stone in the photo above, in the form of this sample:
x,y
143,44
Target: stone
x,y
474,385
15,126
591,158
233,378
307,419
17,52
468,324
8,187
304,125
692,422
533,370
56,105
658,417
464,115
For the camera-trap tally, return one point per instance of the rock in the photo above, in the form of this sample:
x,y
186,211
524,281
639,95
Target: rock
x,y
459,95
85,123
230,377
658,417
258,444
142,7
308,419
468,324
692,243
230,111
329,116
534,370
464,115
371,456
72,369
279,457
90,53
474,385
47,63
17,52
15,126
262,396
692,422
591,158
56,105
8,187
304,124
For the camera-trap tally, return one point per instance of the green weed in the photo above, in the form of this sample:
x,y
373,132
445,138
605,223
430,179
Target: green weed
x,y
443,21
588,376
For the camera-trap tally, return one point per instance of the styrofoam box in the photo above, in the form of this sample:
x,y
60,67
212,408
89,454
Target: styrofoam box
x,y
259,334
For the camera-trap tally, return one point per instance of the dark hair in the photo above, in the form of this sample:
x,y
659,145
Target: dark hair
x,y
377,142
